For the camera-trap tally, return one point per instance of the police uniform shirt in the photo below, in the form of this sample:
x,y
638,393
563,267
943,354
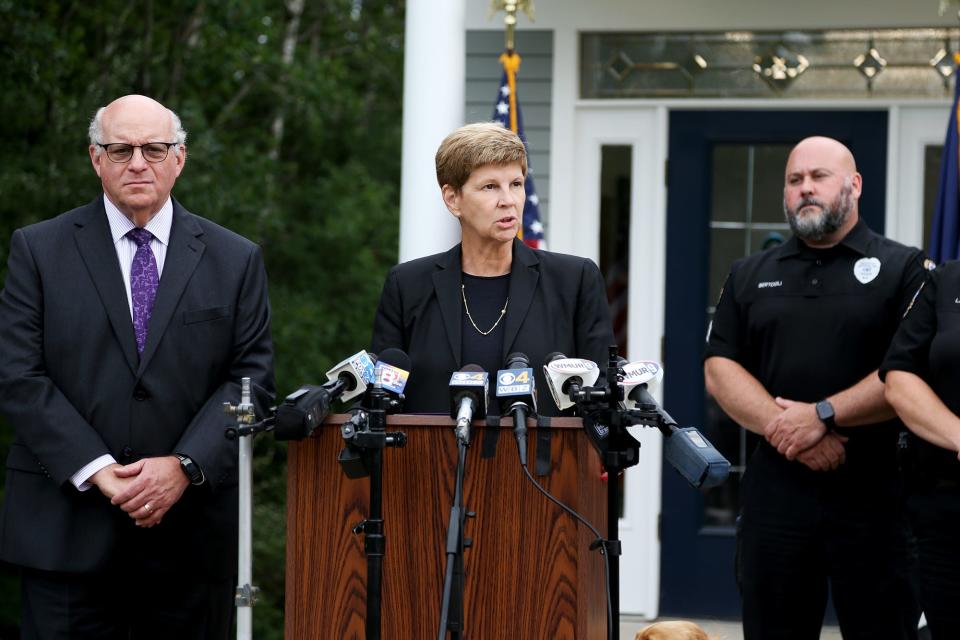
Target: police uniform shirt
x,y
927,344
809,322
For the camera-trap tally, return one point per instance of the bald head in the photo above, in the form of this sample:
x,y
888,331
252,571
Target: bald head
x,y
820,150
821,191
135,104
147,154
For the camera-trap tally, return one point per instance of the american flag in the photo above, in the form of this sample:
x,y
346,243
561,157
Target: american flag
x,y
945,235
506,111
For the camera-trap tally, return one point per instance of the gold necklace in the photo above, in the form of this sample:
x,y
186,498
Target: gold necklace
x,y
503,312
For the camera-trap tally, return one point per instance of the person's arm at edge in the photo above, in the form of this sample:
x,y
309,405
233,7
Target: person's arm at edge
x,y
922,410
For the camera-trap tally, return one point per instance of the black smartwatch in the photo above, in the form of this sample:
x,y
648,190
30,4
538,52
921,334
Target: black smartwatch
x,y
190,469
827,415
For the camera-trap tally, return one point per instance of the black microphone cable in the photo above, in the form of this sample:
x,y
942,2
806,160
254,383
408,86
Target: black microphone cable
x,y
600,543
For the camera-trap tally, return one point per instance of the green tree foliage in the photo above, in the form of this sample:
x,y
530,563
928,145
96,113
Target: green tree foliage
x,y
293,115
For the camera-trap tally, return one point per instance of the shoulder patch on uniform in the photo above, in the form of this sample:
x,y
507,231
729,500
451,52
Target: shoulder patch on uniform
x,y
929,264
914,299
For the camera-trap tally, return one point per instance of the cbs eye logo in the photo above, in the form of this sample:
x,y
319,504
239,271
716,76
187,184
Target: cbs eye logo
x,y
466,376
508,377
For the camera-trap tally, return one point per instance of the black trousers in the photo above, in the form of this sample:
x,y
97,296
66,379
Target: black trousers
x,y
125,605
934,513
802,533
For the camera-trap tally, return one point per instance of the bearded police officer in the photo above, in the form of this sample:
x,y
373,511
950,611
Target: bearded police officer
x,y
792,355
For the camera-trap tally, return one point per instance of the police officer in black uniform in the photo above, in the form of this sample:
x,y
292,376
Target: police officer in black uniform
x,y
792,355
922,371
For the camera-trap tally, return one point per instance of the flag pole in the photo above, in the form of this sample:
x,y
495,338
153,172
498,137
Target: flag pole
x,y
507,112
510,7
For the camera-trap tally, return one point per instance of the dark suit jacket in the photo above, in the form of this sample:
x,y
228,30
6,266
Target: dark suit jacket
x,y
73,387
557,303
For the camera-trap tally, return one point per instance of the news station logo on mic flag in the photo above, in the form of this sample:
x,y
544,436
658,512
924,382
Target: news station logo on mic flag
x,y
506,111
945,236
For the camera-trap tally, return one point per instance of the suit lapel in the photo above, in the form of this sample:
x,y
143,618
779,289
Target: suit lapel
x,y
183,255
524,275
446,284
95,244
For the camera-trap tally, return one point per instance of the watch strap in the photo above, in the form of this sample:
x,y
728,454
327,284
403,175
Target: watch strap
x,y
190,469
826,414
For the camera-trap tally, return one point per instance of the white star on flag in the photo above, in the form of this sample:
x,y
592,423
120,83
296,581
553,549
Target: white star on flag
x,y
534,200
536,227
503,108
505,90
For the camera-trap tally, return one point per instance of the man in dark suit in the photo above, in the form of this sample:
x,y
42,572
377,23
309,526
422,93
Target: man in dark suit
x,y
125,324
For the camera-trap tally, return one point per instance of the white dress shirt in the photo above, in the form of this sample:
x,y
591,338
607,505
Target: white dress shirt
x,y
159,225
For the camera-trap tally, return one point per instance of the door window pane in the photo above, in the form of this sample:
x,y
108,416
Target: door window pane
x,y
746,216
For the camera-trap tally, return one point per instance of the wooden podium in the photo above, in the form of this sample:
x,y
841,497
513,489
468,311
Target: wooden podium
x,y
530,574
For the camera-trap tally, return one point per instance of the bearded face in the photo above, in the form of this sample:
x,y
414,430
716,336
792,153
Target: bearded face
x,y
814,219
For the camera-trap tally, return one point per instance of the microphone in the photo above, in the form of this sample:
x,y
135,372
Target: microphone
x,y
566,376
640,373
694,458
392,371
306,408
468,398
355,373
517,393
686,449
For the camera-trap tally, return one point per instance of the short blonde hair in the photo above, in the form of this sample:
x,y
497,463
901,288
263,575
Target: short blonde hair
x,y
476,145
673,630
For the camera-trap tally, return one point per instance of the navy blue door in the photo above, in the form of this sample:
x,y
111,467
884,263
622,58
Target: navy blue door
x,y
724,200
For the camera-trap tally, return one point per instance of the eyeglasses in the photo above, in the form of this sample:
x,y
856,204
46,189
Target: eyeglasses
x,y
151,151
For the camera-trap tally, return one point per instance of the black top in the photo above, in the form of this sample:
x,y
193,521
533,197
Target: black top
x,y
808,323
485,298
928,345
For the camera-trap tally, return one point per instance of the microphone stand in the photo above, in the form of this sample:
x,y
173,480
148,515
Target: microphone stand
x,y
246,593
601,405
451,609
367,432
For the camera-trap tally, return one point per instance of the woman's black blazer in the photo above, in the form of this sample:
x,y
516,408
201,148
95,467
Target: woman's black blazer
x,y
558,302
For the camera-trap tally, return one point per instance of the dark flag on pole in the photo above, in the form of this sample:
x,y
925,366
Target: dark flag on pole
x,y
945,236
506,111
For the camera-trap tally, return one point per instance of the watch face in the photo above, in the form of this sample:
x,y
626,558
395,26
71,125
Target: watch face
x,y
824,410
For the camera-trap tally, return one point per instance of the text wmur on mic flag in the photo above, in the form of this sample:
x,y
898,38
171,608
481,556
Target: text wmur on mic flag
x,y
506,111
945,236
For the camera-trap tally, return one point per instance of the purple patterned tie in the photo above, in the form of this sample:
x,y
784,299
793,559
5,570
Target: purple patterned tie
x,y
144,280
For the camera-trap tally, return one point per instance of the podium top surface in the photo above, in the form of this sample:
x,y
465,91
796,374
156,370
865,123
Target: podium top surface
x,y
434,420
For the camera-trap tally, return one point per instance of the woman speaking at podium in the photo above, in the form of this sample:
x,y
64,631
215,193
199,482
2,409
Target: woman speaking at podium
x,y
490,295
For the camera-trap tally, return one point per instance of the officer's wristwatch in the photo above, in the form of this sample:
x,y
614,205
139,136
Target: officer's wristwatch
x,y
826,414
190,469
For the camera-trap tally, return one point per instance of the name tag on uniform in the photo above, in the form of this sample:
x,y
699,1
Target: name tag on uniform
x,y
866,269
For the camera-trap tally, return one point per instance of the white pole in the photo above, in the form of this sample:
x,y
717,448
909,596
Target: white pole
x,y
245,559
434,79
246,594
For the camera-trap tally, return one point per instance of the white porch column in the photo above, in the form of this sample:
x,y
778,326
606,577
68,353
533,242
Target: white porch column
x,y
434,78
